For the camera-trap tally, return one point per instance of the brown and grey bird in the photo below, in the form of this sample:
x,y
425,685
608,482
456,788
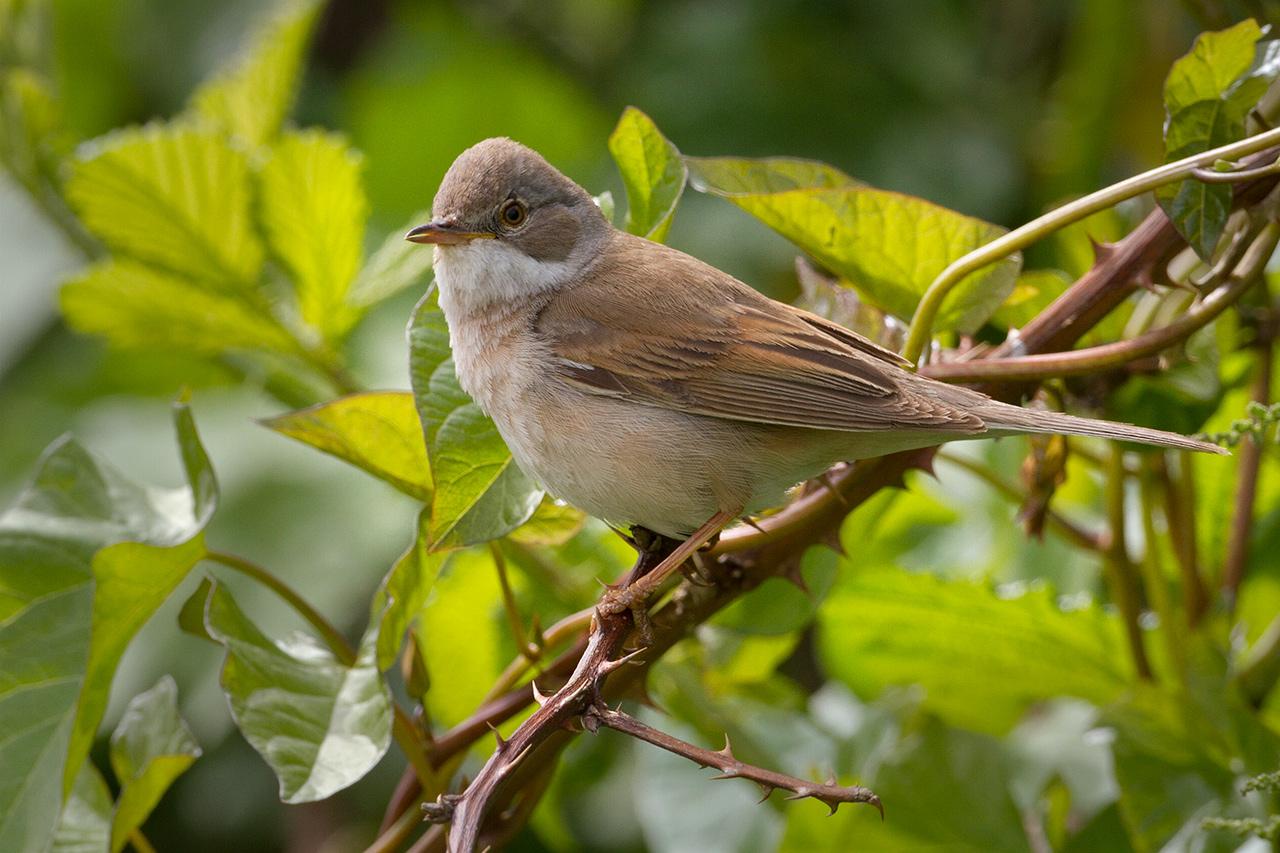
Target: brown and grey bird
x,y
649,388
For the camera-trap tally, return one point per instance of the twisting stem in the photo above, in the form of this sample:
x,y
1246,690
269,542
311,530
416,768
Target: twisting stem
x,y
1020,238
1119,353
332,637
728,764
1119,570
528,650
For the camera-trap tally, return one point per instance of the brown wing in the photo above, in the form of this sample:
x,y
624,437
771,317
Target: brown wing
x,y
713,346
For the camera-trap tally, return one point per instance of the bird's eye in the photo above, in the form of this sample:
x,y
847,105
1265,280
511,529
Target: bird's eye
x,y
513,213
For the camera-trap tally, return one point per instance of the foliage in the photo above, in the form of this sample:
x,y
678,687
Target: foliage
x,y
996,695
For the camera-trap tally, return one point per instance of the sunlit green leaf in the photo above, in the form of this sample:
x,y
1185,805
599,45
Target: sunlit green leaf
x,y
397,265
553,523
319,724
85,825
780,606
480,493
134,305
460,635
1206,98
403,592
150,748
59,638
30,142
172,195
652,171
1034,290
887,245
313,210
251,96
982,659
378,432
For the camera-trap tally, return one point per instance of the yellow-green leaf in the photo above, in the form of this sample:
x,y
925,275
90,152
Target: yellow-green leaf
x,y
313,211
251,96
653,172
553,523
173,195
378,432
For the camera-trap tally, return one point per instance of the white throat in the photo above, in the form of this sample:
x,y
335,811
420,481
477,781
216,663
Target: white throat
x,y
488,275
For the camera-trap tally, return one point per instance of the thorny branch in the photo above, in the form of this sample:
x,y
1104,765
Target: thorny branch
x,y
728,764
496,803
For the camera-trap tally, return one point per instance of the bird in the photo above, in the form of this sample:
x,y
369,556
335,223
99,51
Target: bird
x,y
655,391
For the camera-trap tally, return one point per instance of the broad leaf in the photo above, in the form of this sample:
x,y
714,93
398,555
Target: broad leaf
x,y
887,245
86,556
319,724
397,265
780,606
29,136
981,659
480,493
652,171
404,591
553,523
313,210
150,748
252,95
85,825
378,432
173,195
134,305
1206,98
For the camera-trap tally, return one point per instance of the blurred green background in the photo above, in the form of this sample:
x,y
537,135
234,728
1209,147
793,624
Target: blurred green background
x,y
996,109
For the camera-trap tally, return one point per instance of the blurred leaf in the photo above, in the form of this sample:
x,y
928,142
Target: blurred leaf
x,y
604,201
403,592
174,196
313,211
377,431
320,725
480,493
944,789
30,140
460,635
150,748
133,305
981,659
251,96
552,523
888,245
85,825
1180,398
396,266
779,606
191,616
738,658
652,171
1032,293
1206,102
56,634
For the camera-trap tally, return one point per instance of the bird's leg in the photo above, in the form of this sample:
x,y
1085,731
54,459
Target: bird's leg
x,y
636,594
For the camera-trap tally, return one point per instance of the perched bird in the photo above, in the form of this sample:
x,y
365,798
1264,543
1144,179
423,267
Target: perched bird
x,y
649,388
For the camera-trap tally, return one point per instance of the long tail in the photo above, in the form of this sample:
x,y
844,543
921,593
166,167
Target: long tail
x,y
1001,417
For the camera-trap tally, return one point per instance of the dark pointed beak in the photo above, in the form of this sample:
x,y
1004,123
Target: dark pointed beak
x,y
444,232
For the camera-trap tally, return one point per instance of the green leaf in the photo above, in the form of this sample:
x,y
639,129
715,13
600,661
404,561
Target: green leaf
x,y
134,305
779,606
480,493
397,265
58,639
553,523
85,825
1032,293
313,211
1206,99
378,432
653,172
982,659
460,635
319,724
150,748
404,591
174,196
943,790
30,119
251,96
889,246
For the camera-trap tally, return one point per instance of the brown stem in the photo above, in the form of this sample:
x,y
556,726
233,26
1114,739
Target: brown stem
x,y
1122,577
1237,558
728,764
